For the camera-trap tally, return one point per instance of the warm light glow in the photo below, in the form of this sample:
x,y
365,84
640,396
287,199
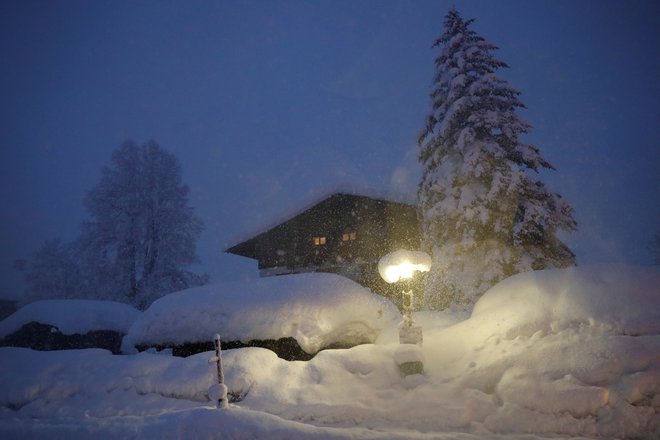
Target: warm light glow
x,y
403,271
346,236
403,265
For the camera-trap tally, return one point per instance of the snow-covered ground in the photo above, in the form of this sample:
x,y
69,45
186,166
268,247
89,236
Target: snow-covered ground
x,y
550,354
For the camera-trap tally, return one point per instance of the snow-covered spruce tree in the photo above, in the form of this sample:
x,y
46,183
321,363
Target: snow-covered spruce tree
x,y
484,214
142,232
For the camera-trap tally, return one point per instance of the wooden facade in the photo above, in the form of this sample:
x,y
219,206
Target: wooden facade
x,y
344,233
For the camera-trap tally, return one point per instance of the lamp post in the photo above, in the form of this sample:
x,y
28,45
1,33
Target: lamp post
x,y
400,267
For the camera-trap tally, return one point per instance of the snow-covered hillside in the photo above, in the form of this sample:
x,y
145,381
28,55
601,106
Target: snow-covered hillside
x,y
552,354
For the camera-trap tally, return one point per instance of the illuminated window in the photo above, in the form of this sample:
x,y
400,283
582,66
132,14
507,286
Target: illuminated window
x,y
348,236
319,241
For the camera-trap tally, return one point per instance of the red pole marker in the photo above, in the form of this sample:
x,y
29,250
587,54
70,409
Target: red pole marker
x,y
218,391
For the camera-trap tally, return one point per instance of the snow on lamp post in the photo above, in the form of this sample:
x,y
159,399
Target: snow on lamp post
x,y
400,267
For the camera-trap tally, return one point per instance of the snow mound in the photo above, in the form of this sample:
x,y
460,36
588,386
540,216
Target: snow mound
x,y
316,309
624,299
73,316
569,351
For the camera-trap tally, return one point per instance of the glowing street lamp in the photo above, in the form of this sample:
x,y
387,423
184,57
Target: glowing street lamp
x,y
400,267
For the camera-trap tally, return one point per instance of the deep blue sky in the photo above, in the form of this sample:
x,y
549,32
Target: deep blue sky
x,y
265,102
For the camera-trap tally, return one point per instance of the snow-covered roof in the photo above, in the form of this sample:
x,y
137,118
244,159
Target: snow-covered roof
x,y
72,316
316,309
315,197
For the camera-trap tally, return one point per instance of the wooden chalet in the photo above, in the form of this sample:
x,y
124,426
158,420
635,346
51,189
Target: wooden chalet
x,y
343,233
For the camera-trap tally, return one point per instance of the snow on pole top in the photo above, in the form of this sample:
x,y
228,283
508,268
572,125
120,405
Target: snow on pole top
x,y
403,264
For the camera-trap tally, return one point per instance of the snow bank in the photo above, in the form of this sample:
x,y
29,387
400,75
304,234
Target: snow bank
x,y
82,394
316,309
624,299
573,351
95,383
72,316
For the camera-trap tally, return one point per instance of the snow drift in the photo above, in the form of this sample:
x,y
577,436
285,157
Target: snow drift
x,y
572,351
624,299
316,309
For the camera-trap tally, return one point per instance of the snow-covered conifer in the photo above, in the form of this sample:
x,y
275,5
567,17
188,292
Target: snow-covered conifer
x,y
485,214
